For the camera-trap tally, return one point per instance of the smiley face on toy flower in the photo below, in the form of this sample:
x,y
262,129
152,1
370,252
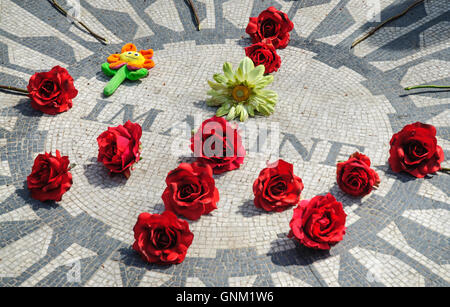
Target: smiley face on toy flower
x,y
132,58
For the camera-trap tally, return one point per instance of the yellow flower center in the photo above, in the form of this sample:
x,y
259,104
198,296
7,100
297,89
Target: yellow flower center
x,y
132,57
240,93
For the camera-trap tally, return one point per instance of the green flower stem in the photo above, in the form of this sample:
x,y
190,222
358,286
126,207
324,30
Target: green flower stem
x,y
14,89
445,170
117,80
427,86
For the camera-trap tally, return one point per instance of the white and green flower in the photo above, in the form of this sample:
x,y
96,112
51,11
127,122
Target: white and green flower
x,y
241,93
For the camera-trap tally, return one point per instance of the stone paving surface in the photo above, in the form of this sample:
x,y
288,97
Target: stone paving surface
x,y
333,101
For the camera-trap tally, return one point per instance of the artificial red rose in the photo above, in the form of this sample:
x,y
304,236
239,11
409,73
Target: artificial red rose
x,y
52,92
271,26
219,145
119,147
277,188
162,239
319,222
191,190
50,177
355,177
414,150
264,54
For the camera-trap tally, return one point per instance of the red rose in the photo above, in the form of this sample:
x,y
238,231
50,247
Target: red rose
x,y
414,150
191,190
219,145
271,26
50,177
119,147
277,188
162,239
264,54
318,223
52,92
355,177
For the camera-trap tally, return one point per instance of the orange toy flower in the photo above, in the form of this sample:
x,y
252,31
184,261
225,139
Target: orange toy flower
x,y
129,64
132,58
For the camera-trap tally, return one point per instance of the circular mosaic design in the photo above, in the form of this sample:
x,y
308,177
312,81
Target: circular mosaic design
x,y
332,102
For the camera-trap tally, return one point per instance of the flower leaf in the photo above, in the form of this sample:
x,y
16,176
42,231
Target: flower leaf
x,y
218,100
228,71
268,95
108,71
250,109
223,110
256,73
136,74
263,82
217,86
220,78
241,112
264,110
232,113
246,66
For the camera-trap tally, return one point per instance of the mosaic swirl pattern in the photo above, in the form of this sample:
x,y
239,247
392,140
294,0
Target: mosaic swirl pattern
x,y
333,101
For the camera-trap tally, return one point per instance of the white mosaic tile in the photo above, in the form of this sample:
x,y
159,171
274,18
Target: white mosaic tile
x,y
21,214
108,275
210,21
282,279
238,12
194,282
6,191
142,29
8,123
434,219
164,13
71,255
426,72
386,35
4,169
387,269
242,281
154,279
393,236
33,26
18,256
329,270
361,12
308,18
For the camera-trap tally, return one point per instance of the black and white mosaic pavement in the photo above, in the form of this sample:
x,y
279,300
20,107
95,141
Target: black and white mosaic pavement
x,y
333,101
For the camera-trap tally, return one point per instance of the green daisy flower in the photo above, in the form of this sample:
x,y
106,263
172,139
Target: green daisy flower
x,y
241,93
